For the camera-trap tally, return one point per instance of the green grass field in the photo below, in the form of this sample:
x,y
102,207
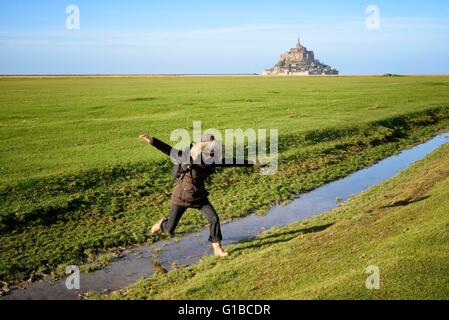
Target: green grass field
x,y
77,186
55,126
400,226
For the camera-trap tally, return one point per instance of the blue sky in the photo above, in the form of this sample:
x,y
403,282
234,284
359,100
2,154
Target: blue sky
x,y
220,36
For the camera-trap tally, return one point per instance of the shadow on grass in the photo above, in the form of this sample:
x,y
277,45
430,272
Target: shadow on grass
x,y
403,203
278,237
140,99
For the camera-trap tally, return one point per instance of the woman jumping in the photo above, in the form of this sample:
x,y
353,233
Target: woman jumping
x,y
190,191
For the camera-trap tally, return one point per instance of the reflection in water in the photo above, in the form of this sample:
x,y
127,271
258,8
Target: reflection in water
x,y
158,268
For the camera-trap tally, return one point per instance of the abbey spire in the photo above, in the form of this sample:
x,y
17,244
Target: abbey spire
x,y
298,44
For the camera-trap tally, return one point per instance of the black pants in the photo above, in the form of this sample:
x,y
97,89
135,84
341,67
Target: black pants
x,y
176,212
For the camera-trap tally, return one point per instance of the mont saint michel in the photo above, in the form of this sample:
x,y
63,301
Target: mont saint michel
x,y
299,61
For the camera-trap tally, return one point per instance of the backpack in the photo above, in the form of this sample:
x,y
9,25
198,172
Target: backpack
x,y
181,168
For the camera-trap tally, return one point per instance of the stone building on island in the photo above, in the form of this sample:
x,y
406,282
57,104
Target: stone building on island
x,y
299,61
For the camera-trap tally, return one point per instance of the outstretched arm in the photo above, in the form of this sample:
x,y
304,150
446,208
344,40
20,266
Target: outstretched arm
x,y
160,145
167,149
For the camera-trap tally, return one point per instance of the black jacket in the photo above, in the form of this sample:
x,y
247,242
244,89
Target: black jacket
x,y
190,190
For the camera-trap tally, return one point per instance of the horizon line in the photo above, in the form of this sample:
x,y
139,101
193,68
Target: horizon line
x,y
106,75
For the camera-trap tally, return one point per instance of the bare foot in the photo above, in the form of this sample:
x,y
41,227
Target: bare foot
x,y
146,138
